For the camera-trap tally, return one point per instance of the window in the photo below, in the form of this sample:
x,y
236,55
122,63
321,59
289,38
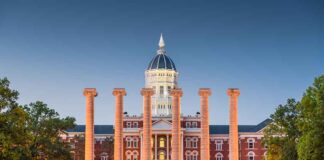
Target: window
x,y
219,156
188,155
135,143
128,155
135,124
135,155
188,124
161,156
195,155
162,142
129,142
194,125
128,124
188,143
104,156
161,90
195,143
219,144
169,89
251,155
250,143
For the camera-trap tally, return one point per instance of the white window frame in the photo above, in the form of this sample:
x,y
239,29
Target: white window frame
x,y
251,155
219,145
250,141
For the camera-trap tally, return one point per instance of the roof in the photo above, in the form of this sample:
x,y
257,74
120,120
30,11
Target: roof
x,y
224,129
161,61
98,129
213,129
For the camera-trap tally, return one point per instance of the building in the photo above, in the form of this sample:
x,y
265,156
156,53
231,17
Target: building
x,y
161,132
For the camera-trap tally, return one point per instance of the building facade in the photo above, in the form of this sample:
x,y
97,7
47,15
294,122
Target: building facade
x,y
161,132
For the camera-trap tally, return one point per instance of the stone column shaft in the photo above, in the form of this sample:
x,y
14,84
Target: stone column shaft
x,y
119,94
233,93
89,93
204,93
147,123
176,126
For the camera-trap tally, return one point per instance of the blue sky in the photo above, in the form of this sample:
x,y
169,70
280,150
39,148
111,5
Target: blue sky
x,y
271,50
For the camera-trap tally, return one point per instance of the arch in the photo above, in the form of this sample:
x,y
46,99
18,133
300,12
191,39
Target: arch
x,y
219,156
194,155
103,156
161,155
251,155
162,142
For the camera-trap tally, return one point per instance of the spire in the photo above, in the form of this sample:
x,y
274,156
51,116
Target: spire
x,y
161,43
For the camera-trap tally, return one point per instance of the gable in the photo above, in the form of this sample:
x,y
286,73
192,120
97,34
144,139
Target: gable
x,y
161,125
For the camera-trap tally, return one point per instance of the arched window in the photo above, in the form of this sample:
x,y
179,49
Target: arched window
x,y
128,142
195,142
135,142
135,155
188,142
161,156
194,155
251,155
128,155
104,156
162,142
250,142
219,156
188,155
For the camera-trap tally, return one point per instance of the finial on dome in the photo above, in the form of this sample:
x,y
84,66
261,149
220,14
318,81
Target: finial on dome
x,y
161,43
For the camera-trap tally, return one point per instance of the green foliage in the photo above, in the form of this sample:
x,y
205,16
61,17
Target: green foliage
x,y
311,122
282,134
14,135
30,132
46,126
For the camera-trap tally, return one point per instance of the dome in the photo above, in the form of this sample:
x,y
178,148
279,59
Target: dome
x,y
161,61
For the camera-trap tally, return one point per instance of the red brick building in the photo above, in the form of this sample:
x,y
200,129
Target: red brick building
x,y
153,135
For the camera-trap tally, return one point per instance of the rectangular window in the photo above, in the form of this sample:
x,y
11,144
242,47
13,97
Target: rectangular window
x,y
194,124
129,125
219,144
188,124
169,89
161,90
135,124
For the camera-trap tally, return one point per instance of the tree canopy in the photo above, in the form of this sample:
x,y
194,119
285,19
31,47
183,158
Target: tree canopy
x,y
297,128
31,131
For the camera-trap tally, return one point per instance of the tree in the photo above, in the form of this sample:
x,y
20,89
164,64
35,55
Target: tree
x,y
282,134
30,132
311,122
46,127
14,135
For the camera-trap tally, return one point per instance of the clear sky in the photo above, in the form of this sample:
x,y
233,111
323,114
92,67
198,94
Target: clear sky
x,y
271,50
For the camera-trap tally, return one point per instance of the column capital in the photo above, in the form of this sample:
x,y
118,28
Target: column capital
x,y
204,92
119,91
176,92
147,92
233,92
90,92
